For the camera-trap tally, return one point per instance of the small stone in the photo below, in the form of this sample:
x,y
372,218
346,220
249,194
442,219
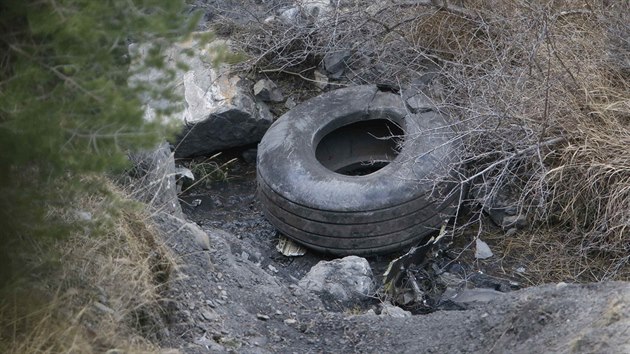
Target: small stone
x,y
262,317
511,232
290,321
394,311
335,63
482,250
103,308
245,255
346,279
321,80
208,315
514,221
266,90
290,103
561,285
196,202
272,268
201,237
84,216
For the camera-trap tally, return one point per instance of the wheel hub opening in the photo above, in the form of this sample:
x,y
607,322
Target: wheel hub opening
x,y
360,148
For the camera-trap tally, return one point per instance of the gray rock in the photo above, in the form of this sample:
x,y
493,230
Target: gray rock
x,y
417,101
154,179
321,80
471,296
103,308
393,311
290,16
344,280
200,236
502,207
267,91
218,110
209,127
305,10
514,222
315,9
335,63
290,103
482,250
262,317
209,316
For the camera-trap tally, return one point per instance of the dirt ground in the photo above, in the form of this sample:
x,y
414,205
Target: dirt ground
x,y
242,296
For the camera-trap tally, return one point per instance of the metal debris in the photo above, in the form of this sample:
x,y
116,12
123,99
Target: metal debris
x,y
289,248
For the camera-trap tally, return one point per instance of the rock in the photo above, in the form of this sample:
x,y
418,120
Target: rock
x,y
103,308
208,316
343,280
210,345
289,16
83,215
511,232
233,119
393,311
315,9
321,80
471,296
417,101
290,321
305,11
335,63
482,250
154,179
218,110
266,90
290,103
512,222
262,317
200,236
502,207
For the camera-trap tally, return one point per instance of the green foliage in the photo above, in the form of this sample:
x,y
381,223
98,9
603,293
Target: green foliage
x,y
66,108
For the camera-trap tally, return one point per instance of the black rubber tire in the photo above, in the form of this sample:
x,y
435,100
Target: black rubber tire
x,y
384,211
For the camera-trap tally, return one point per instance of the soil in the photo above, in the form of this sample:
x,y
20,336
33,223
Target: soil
x,y
242,296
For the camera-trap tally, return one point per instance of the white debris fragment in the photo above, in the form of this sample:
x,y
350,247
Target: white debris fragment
x,y
482,250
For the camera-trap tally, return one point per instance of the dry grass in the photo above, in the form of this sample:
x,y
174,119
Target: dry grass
x,y
94,291
540,93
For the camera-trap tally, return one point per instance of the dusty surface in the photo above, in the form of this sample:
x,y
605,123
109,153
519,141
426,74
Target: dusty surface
x,y
242,296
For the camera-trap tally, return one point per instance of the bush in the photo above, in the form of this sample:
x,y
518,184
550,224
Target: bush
x,y
539,92
65,106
